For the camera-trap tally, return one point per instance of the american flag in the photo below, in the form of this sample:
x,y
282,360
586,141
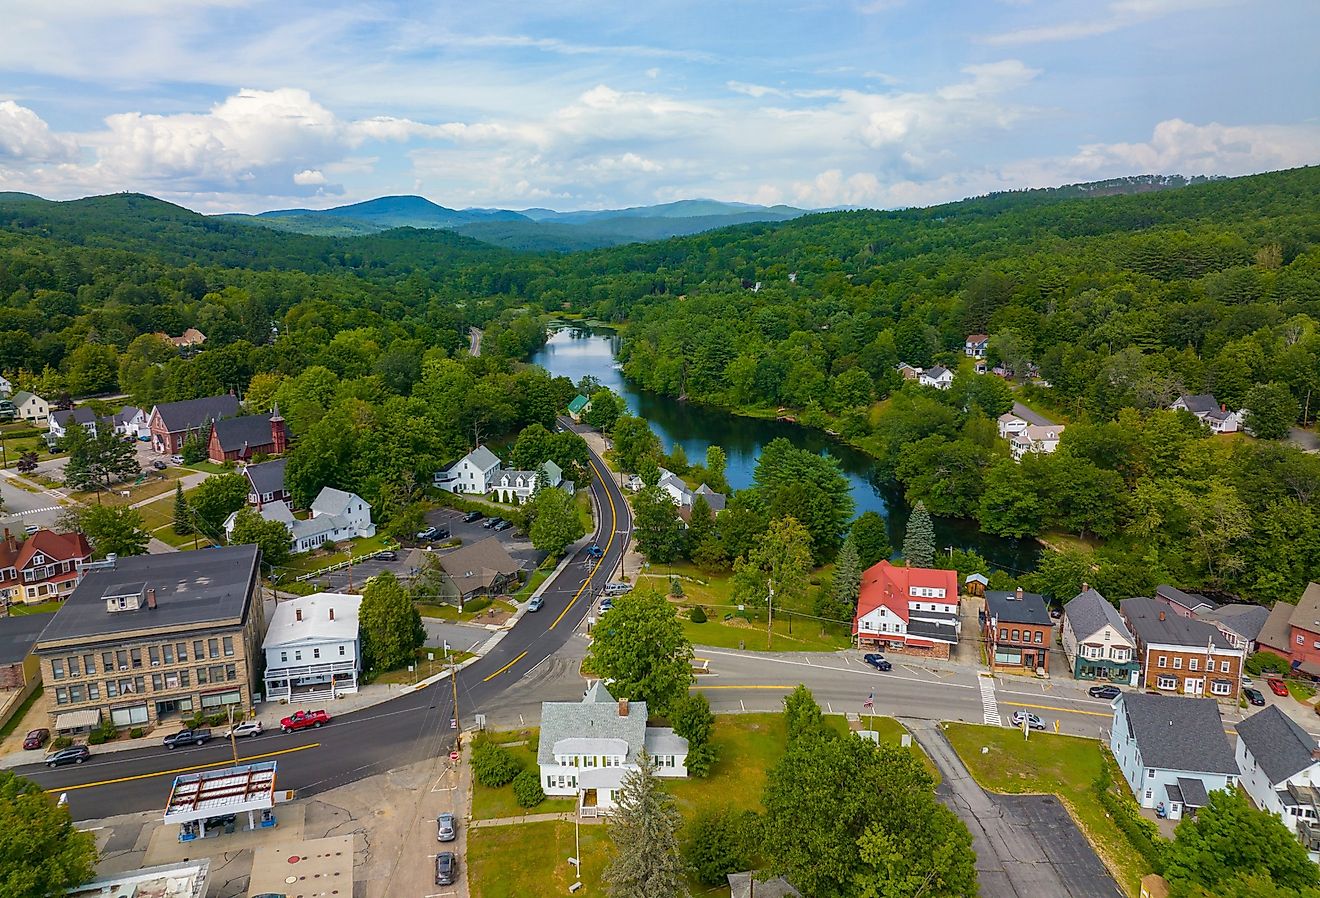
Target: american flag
x,y
870,701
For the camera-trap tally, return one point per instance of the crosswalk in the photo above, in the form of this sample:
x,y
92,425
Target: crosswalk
x,y
989,706
19,514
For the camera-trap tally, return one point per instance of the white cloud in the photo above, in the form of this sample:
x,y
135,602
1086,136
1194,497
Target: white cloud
x,y
309,177
1211,149
1114,16
24,135
754,90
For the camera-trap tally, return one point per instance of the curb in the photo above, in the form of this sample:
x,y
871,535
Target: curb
x,y
436,678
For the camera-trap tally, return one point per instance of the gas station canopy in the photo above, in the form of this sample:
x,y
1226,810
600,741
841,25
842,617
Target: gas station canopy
x,y
213,793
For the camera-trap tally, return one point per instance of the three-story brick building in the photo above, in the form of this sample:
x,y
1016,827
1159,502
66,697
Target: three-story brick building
x,y
1180,655
1018,630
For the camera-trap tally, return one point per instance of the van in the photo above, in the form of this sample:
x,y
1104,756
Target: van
x,y
617,589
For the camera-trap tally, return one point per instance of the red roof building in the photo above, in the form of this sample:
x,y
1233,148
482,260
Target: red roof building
x,y
908,609
45,566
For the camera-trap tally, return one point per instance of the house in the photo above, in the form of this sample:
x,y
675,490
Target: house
x,y
524,484
1010,425
20,671
61,421
1184,604
1210,412
1179,655
975,584
587,747
1041,438
1280,767
131,421
742,885
1096,642
1018,630
473,473
47,566
238,439
189,338
171,423
154,637
976,346
1172,751
313,650
1239,623
30,407
908,609
266,484
1293,631
939,377
484,568
336,516
715,500
271,511
634,482
578,407
908,372
673,486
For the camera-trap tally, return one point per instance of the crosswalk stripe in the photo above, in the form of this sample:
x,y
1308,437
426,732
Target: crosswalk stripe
x,y
19,514
989,707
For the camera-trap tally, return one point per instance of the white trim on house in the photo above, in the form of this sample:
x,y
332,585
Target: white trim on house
x,y
312,648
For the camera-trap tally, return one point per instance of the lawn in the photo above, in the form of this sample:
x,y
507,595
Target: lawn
x,y
157,483
19,609
450,612
539,576
1301,691
1065,766
791,634
531,860
307,562
405,677
582,501
209,467
491,804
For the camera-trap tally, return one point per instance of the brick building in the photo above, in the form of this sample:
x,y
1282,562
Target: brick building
x,y
1180,655
171,423
1018,630
239,439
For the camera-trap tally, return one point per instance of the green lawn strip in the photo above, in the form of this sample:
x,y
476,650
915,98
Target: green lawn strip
x,y
1065,766
18,609
539,576
1303,692
209,467
306,562
806,635
17,718
582,501
405,677
450,612
532,859
492,804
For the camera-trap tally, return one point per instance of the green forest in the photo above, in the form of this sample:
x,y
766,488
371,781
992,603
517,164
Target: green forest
x,y
1116,304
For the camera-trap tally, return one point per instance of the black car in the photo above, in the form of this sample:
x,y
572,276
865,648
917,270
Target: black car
x,y
472,516
74,754
1254,696
877,661
1108,693
441,533
446,868
503,525
490,522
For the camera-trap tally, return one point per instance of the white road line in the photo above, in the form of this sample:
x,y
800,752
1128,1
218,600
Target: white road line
x,y
864,673
989,708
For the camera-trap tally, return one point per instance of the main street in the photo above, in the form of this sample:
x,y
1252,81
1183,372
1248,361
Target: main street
x,y
394,734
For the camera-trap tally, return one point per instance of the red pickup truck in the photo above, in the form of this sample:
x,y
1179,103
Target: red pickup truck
x,y
301,720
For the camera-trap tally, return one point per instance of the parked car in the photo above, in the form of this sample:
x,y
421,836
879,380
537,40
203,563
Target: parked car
x,y
30,529
246,728
878,661
159,465
444,828
1278,687
616,588
446,868
186,737
36,738
428,533
1031,720
1108,693
1254,696
536,604
176,460
503,525
301,720
490,522
472,516
606,604
1247,681
387,555
74,754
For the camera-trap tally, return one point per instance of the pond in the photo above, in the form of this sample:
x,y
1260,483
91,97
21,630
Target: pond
x,y
575,352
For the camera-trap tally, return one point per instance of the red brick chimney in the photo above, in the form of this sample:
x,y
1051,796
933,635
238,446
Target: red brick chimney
x,y
1086,587
1019,592
151,597
10,541
332,614
1161,615
297,614
278,435
623,707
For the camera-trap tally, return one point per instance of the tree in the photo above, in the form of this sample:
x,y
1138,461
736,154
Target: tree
x,y
634,441
717,463
810,488
847,583
701,529
1061,574
95,462
527,789
919,542
604,411
250,528
534,446
215,499
716,844
692,719
657,526
644,828
1010,502
1271,411
42,853
639,647
775,568
802,715
195,446
27,462
492,764
182,514
391,627
113,529
555,522
870,534
927,855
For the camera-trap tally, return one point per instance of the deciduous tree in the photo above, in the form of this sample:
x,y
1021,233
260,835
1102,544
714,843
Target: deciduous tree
x,y
639,647
215,499
775,568
113,529
250,528
657,526
41,853
870,533
96,462
391,627
555,521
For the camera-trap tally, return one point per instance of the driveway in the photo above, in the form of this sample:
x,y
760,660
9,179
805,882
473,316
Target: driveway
x,y
1026,846
1029,416
516,544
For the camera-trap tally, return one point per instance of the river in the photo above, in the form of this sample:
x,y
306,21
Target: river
x,y
575,352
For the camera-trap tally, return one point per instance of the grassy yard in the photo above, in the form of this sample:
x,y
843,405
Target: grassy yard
x,y
157,483
450,612
791,634
539,576
1061,541
18,609
209,467
1065,766
527,860
405,677
1300,690
307,562
491,804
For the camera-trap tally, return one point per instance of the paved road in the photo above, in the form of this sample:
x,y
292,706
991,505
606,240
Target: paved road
x,y
1029,416
372,741
21,507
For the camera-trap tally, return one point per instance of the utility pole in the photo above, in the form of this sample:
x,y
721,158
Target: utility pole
x,y
769,615
233,740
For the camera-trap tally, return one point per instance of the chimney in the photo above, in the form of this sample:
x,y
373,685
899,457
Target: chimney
x,y
279,437
1223,407
151,597
332,614
10,541
623,707
297,614
1161,615
1019,593
1315,754
1086,587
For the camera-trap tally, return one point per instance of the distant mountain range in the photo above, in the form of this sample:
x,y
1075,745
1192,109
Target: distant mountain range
x,y
530,229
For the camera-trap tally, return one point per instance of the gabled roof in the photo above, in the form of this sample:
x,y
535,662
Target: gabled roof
x,y
578,404
1306,616
1244,620
1175,732
287,627
888,585
125,415
23,396
482,459
1279,745
191,414
478,565
1027,608
715,500
81,415
267,477
1144,618
561,721
1038,433
1189,600
1090,611
59,546
246,432
936,372
332,501
1200,403
977,338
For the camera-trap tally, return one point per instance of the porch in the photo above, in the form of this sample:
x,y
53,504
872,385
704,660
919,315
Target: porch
x,y
311,682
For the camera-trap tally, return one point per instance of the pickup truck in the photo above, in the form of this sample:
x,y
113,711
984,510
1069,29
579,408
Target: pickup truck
x,y
187,737
301,720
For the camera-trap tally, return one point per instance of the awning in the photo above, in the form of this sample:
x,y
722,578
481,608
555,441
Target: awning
x,y
1193,792
1174,793
78,720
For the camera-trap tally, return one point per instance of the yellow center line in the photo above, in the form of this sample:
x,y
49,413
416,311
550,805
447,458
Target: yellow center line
x,y
504,668
143,776
614,524
1052,708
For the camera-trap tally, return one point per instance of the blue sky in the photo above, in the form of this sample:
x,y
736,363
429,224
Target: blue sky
x,y
231,105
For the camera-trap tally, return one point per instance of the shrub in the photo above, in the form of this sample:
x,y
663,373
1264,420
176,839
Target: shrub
x,y
492,765
697,615
716,846
1260,662
136,733
1143,834
480,603
61,742
527,789
95,737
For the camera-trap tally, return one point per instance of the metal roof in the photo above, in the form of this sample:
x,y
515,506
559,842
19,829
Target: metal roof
x,y
196,796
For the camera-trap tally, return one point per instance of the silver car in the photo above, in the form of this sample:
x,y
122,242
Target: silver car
x,y
1031,720
444,828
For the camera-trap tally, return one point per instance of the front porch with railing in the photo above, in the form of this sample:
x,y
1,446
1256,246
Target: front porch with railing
x,y
311,682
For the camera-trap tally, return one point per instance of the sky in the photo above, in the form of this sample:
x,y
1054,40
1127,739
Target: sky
x,y
243,106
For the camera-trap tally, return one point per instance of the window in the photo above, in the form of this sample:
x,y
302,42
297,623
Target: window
x,y
122,657
1177,662
1166,682
231,672
284,656
1163,662
1015,636
1221,687
216,672
136,655
199,650
213,646
201,675
1224,667
130,716
168,651
297,655
74,669
342,653
316,653
157,682
153,655
219,699
1039,637
111,689
184,679
93,692
107,661
1003,633
181,649
75,695
61,696
1193,663
1148,795
57,668
1301,640
1150,773
228,643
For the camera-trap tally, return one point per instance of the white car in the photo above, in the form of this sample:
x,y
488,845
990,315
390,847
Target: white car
x,y
246,728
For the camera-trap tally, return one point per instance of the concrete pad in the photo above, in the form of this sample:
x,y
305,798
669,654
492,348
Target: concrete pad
x,y
311,868
165,847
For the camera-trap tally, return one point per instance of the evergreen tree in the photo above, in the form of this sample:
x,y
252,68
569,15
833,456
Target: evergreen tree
x,y
847,574
870,533
644,829
919,543
182,525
